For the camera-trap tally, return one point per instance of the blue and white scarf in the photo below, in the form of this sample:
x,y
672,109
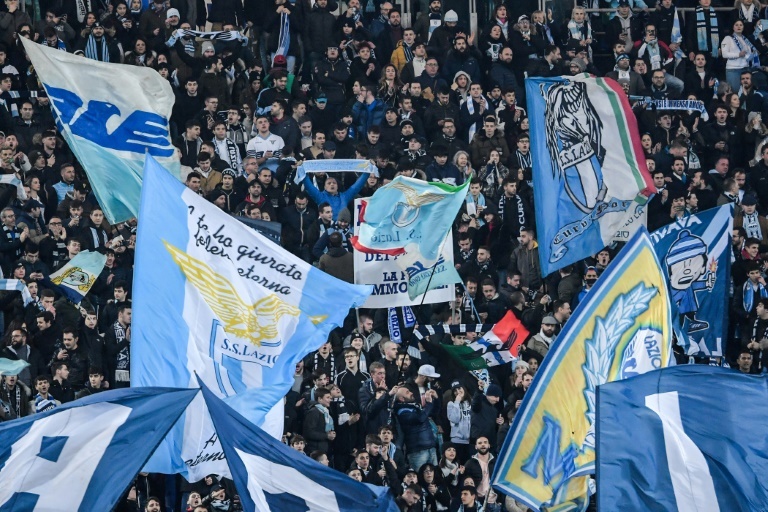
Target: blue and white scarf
x,y
749,295
326,416
393,326
744,45
92,51
673,105
408,317
701,31
677,36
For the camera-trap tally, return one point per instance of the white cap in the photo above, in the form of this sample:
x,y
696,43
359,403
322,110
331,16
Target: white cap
x,y
428,370
172,12
451,16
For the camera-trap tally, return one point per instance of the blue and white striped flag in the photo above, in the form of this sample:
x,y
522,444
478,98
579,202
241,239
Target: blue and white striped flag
x,y
19,286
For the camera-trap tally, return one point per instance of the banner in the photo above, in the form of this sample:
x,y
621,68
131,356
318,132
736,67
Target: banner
x,y
111,121
689,438
589,169
215,298
695,253
390,282
622,328
76,278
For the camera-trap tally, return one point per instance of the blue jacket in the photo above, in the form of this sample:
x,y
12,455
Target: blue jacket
x,y
366,116
338,201
446,172
414,425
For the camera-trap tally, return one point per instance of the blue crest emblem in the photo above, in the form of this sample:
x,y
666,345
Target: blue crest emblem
x,y
141,132
405,214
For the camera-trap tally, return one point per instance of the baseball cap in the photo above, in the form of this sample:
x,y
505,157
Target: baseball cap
x,y
427,370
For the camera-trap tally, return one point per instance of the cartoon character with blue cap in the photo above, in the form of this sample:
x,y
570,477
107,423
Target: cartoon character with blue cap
x,y
686,262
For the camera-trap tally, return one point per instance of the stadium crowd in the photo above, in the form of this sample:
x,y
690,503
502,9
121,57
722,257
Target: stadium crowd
x,y
433,101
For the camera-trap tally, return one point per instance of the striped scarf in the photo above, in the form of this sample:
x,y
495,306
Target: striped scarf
x,y
331,360
14,399
326,416
748,294
703,41
744,45
677,36
524,161
92,50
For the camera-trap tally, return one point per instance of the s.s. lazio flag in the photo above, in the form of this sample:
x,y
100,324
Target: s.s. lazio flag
x,y
111,115
82,456
623,328
271,477
590,178
216,298
411,219
77,277
695,253
689,438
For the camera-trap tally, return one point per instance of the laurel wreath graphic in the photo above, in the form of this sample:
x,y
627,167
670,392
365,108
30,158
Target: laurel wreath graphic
x,y
601,348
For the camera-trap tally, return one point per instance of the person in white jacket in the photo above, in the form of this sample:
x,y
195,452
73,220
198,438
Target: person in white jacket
x,y
741,55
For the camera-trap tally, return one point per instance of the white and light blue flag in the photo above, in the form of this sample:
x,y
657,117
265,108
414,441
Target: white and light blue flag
x,y
82,456
19,286
271,477
411,219
695,253
12,366
690,438
216,298
77,277
111,115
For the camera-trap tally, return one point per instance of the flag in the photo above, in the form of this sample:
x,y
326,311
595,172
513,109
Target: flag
x,y
411,218
500,345
689,438
695,253
270,476
622,328
215,297
82,456
19,286
111,121
590,177
76,278
389,279
11,366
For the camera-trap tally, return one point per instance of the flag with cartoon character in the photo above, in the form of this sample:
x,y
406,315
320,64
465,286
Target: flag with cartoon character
x,y
696,257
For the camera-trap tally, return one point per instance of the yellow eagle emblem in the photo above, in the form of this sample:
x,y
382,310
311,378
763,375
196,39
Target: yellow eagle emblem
x,y
256,322
413,198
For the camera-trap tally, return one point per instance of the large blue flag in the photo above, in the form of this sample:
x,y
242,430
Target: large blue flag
x,y
111,120
270,476
82,456
591,182
695,253
689,438
216,298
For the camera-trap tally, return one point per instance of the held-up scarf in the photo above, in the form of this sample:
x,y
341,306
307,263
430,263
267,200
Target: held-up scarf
x,y
543,27
83,8
743,44
284,40
673,105
654,52
703,40
749,294
752,226
677,36
92,50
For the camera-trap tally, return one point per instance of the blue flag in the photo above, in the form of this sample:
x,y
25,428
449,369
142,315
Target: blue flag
x,y
271,476
111,121
590,179
695,253
82,456
214,297
11,366
76,278
687,438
